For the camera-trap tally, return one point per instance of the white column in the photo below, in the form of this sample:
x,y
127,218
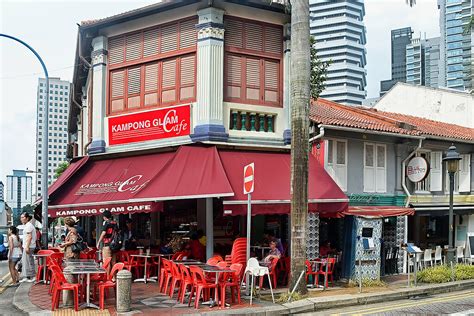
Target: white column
x,y
99,83
209,228
209,116
286,83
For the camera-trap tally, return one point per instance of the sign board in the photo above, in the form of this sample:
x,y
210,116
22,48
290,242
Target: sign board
x,y
417,169
150,125
249,178
470,244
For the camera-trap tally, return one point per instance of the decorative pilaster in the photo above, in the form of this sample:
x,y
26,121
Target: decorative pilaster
x,y
286,82
99,73
312,236
210,72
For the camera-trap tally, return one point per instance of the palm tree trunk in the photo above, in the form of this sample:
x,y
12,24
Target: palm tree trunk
x,y
300,96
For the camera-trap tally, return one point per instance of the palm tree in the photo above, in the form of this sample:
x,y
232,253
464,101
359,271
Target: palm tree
x,y
299,100
411,2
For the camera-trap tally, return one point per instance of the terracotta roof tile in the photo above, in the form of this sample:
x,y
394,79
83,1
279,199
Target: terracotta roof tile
x,y
331,113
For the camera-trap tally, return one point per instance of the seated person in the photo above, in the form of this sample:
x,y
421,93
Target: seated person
x,y
128,236
269,236
326,249
273,254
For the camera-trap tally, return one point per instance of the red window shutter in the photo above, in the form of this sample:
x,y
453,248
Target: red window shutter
x,y
151,84
253,37
151,42
134,47
273,40
117,90
233,76
168,91
253,79
116,50
188,34
169,38
187,77
233,33
134,87
272,79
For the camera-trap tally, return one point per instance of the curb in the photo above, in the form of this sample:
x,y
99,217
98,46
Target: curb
x,y
21,302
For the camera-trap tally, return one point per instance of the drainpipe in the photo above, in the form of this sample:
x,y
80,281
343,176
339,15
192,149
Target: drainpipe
x,y
89,100
320,135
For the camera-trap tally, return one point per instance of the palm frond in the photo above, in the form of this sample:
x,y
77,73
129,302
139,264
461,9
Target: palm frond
x,y
411,2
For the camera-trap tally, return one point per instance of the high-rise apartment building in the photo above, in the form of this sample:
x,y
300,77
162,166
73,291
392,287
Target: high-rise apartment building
x,y
415,62
456,43
338,27
59,93
2,190
19,192
432,62
400,38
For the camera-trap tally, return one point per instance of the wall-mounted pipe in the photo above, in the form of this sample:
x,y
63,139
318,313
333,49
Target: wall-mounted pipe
x,y
320,135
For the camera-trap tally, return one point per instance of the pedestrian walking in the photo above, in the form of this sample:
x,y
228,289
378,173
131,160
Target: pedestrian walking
x,y
14,253
29,243
72,238
109,229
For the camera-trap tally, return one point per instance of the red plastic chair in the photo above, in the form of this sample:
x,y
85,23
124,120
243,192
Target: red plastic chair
x,y
200,286
212,261
101,277
175,255
165,276
331,262
109,283
310,272
273,273
39,273
61,284
176,277
231,280
187,280
287,268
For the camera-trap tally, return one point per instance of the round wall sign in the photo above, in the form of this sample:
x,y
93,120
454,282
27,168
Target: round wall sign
x,y
417,169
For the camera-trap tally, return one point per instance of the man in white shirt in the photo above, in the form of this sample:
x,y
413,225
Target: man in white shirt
x,y
29,244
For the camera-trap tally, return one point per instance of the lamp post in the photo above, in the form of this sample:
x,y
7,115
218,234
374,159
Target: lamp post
x,y
44,148
452,165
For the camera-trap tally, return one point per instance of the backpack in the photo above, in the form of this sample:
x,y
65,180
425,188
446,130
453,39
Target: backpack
x,y
116,240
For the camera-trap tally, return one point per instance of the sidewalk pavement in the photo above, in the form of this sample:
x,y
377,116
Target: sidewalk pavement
x,y
147,301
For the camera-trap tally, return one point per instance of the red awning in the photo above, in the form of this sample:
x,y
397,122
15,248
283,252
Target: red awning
x,y
272,185
378,211
139,183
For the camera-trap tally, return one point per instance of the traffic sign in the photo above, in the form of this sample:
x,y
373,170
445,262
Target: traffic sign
x,y
249,178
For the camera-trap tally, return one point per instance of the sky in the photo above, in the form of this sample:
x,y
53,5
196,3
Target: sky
x,y
50,28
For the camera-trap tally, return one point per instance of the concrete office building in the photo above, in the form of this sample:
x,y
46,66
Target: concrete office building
x,y
400,38
339,30
456,44
432,63
19,191
58,118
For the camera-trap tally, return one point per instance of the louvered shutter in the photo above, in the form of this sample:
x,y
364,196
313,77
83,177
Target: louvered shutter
x,y
187,84
340,167
151,42
436,174
369,168
187,34
151,84
329,158
116,50
117,90
253,79
233,76
272,75
169,38
380,171
253,37
168,91
465,173
133,49
233,33
133,87
273,40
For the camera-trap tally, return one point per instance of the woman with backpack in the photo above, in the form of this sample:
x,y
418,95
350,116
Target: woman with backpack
x,y
72,238
14,253
110,237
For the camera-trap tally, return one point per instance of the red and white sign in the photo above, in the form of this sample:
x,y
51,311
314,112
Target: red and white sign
x,y
249,183
150,125
417,169
132,184
114,208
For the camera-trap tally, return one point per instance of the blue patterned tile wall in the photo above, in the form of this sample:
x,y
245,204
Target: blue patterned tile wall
x,y
370,259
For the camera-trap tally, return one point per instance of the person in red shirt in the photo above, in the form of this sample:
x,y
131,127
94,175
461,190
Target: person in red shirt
x,y
197,250
325,249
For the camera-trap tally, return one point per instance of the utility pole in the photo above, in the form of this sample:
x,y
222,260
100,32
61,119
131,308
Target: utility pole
x,y
299,102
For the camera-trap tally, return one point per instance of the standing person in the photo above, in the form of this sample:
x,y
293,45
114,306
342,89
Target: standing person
x,y
71,238
14,253
128,236
108,229
29,239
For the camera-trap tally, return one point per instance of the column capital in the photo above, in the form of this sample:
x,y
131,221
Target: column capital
x,y
211,15
99,51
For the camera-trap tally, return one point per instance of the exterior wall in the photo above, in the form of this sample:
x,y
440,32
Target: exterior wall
x,y
370,260
59,93
338,28
435,104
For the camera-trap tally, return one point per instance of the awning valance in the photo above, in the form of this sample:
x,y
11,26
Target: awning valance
x,y
141,183
378,211
272,184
